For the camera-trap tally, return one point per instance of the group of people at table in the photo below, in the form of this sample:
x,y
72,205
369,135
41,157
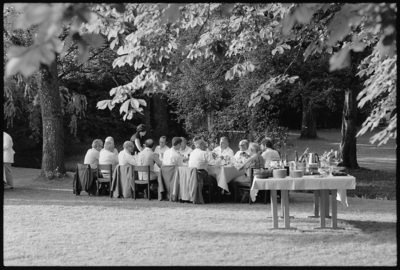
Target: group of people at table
x,y
138,151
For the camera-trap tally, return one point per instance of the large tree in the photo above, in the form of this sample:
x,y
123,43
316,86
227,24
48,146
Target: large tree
x,y
145,37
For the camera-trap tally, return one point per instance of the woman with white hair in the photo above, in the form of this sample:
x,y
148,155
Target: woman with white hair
x,y
111,140
108,156
92,155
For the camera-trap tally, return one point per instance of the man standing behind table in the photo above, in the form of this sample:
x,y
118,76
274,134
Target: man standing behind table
x,y
92,155
223,151
243,154
162,147
125,157
172,157
8,159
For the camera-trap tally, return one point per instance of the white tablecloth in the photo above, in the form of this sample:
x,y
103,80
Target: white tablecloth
x,y
224,174
308,182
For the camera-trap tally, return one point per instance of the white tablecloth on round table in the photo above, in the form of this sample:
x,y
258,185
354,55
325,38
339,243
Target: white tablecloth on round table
x,y
308,182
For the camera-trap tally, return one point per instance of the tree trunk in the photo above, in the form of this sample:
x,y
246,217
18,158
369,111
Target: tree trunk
x,y
52,120
308,121
348,146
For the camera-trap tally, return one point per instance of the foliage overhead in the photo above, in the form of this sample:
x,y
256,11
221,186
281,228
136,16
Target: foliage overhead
x,y
146,37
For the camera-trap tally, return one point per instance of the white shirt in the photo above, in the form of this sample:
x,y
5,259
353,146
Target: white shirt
x,y
172,157
107,157
92,158
186,152
160,151
199,159
226,152
145,158
125,158
240,159
270,155
8,151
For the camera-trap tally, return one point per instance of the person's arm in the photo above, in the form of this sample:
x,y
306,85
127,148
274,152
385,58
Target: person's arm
x,y
157,160
137,144
247,163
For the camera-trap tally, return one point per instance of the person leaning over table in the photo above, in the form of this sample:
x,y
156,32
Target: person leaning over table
x,y
138,138
148,158
172,157
8,159
93,154
256,161
111,140
162,147
268,152
125,157
200,159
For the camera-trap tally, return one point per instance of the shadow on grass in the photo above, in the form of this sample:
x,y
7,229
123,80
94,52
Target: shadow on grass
x,y
373,226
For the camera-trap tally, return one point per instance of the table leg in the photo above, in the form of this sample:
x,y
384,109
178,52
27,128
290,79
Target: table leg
x,y
274,209
322,201
327,204
334,209
316,204
285,199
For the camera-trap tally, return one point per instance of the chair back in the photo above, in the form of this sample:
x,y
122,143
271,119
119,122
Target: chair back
x,y
143,169
104,167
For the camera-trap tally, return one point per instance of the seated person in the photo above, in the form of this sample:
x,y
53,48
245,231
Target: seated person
x,y
268,152
185,150
108,156
243,154
256,161
125,157
162,147
111,140
148,158
223,151
172,156
200,159
92,155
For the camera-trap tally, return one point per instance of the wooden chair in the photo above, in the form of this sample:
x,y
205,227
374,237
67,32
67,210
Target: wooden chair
x,y
143,169
245,186
101,179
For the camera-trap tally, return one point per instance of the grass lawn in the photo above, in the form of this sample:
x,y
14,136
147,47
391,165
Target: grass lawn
x,y
45,224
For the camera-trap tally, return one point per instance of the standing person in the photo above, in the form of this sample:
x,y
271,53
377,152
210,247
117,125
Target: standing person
x,y
172,155
162,147
92,155
8,159
139,138
268,152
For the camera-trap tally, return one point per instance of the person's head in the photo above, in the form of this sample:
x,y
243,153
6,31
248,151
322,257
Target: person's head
x,y
128,145
162,141
254,148
243,145
266,143
97,144
198,142
184,143
149,143
141,129
108,145
224,142
176,142
109,139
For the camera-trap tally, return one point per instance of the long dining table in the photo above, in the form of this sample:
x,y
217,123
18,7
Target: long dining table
x,y
224,174
337,185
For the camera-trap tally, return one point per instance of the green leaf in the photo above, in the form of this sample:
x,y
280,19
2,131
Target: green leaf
x,y
32,14
101,105
304,13
94,40
340,60
120,8
124,107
